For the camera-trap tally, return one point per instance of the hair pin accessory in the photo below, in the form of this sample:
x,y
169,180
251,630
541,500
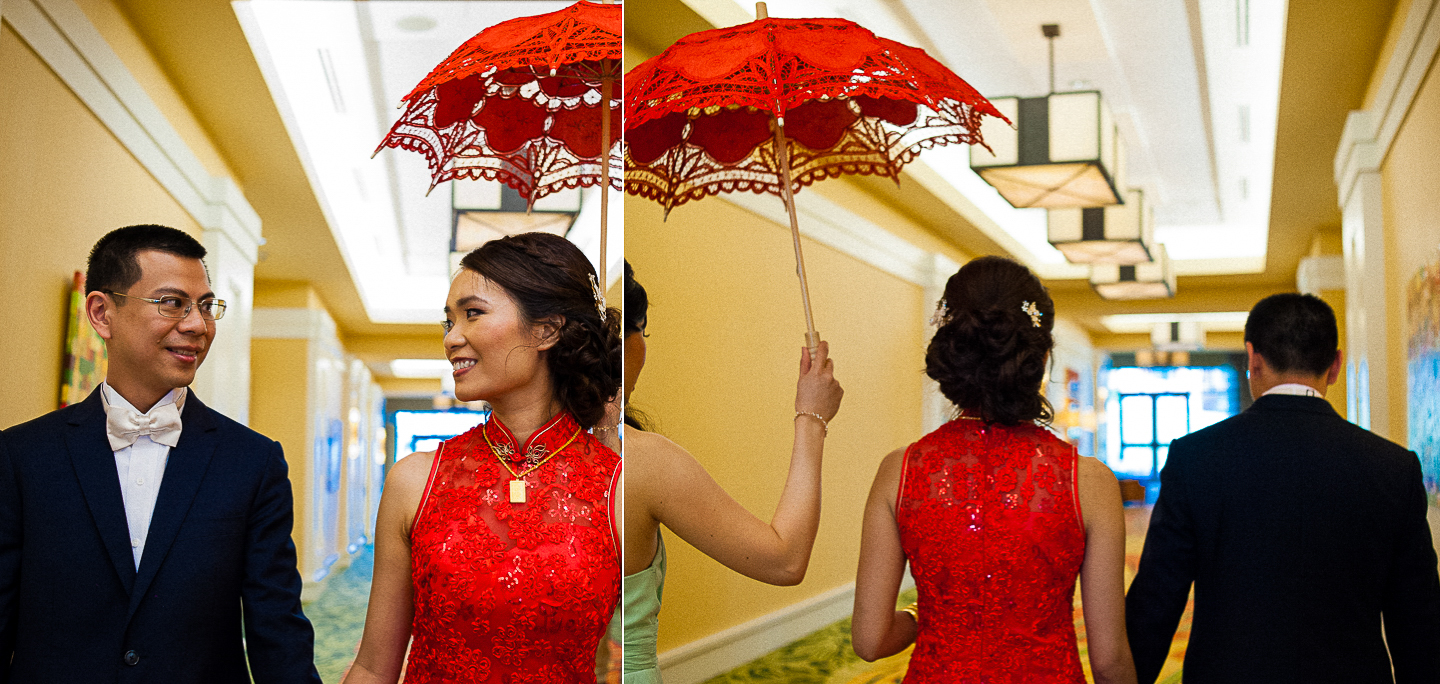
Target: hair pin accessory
x,y
599,298
942,310
1035,314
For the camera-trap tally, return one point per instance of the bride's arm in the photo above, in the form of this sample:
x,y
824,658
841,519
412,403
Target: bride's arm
x,y
1102,574
878,630
392,608
666,483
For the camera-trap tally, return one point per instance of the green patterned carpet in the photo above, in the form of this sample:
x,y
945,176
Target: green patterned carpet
x,y
824,657
339,616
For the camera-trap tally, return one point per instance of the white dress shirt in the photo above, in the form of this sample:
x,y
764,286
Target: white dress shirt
x,y
1294,388
141,466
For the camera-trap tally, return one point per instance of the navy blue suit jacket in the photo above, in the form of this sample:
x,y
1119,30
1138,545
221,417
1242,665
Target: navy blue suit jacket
x,y
1302,533
73,607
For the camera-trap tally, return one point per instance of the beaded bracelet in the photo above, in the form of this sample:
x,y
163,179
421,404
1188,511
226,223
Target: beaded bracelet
x,y
823,423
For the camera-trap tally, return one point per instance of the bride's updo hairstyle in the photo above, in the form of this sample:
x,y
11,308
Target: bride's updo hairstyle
x,y
547,275
989,354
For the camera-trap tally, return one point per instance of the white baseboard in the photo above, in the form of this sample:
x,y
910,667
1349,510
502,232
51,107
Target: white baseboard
x,y
726,650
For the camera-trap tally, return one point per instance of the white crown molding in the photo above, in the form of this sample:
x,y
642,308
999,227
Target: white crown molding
x,y
1368,133
845,231
728,649
65,39
294,323
1318,273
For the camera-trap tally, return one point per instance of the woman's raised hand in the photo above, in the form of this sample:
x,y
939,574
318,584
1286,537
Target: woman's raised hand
x,y
817,390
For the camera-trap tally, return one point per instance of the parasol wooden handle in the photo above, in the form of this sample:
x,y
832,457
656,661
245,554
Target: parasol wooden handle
x,y
605,89
782,150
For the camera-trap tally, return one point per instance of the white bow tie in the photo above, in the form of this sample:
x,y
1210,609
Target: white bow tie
x,y
124,425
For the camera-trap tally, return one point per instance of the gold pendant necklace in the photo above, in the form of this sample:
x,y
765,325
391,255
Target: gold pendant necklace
x,y
536,456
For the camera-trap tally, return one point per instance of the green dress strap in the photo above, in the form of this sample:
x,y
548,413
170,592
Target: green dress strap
x,y
642,619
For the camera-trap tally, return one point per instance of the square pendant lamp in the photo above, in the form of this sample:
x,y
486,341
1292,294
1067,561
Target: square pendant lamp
x,y
1064,152
1155,280
1117,234
482,211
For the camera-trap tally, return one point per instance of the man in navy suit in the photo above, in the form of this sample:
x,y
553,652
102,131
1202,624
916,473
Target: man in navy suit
x,y
1304,535
142,535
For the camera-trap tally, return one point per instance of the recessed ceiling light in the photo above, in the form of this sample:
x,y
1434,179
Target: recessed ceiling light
x,y
416,23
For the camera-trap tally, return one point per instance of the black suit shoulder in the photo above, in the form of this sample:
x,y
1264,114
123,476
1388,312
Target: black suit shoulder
x,y
45,425
1284,422
236,435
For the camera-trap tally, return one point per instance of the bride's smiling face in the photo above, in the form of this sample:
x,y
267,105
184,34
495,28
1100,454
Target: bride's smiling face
x,y
492,350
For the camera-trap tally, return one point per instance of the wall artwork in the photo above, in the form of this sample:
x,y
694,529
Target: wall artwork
x,y
85,359
1423,369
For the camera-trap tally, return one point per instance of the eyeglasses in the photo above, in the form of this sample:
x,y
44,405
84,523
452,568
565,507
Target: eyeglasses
x,y
171,306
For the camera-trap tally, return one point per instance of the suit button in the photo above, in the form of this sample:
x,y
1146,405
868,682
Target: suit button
x,y
132,658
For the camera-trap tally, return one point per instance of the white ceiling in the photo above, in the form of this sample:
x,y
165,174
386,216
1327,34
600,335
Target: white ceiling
x,y
337,71
1176,73
1173,72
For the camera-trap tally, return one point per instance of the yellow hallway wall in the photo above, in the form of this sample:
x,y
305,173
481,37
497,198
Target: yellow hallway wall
x,y
726,332
65,182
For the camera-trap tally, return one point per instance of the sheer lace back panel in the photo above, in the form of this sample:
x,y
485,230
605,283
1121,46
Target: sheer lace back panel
x,y
990,521
514,592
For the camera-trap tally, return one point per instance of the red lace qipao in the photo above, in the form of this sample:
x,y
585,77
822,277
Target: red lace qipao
x,y
989,519
514,592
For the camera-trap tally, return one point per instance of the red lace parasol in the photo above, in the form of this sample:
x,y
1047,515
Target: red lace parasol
x,y
776,104
521,103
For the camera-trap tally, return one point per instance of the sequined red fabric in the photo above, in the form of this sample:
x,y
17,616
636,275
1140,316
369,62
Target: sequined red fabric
x,y
514,593
990,522
520,103
698,116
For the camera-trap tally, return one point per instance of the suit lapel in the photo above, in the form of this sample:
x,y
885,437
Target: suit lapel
x,y
94,464
184,469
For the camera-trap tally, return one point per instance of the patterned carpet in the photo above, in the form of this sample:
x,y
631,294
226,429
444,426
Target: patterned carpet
x,y
825,657
339,616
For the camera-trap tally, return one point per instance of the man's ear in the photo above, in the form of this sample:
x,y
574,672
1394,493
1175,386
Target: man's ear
x,y
99,309
548,331
1253,361
1333,374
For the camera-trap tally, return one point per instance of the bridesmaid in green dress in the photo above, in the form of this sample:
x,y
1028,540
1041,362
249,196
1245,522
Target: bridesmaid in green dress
x,y
777,552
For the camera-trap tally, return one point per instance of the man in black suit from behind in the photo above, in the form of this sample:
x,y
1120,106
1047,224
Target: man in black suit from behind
x,y
142,535
1302,533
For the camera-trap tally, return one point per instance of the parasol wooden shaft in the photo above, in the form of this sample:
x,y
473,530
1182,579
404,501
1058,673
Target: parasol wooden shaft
x,y
782,150
605,88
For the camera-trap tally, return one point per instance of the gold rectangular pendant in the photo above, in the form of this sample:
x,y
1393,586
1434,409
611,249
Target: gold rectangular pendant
x,y
517,491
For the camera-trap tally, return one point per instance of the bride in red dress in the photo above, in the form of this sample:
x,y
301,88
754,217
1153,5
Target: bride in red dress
x,y
995,514
497,552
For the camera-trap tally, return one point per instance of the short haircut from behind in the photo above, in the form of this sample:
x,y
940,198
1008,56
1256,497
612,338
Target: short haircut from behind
x,y
1294,333
113,265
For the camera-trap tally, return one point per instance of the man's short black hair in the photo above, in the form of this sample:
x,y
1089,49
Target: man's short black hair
x,y
1294,332
113,266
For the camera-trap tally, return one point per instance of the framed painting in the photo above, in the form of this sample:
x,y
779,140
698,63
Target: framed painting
x,y
85,359
1423,369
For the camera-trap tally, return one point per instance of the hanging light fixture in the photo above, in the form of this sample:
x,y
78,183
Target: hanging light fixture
x,y
485,210
1065,149
1117,234
1155,280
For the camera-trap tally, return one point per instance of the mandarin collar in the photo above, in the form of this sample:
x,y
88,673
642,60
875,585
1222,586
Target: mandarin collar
x,y
547,439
